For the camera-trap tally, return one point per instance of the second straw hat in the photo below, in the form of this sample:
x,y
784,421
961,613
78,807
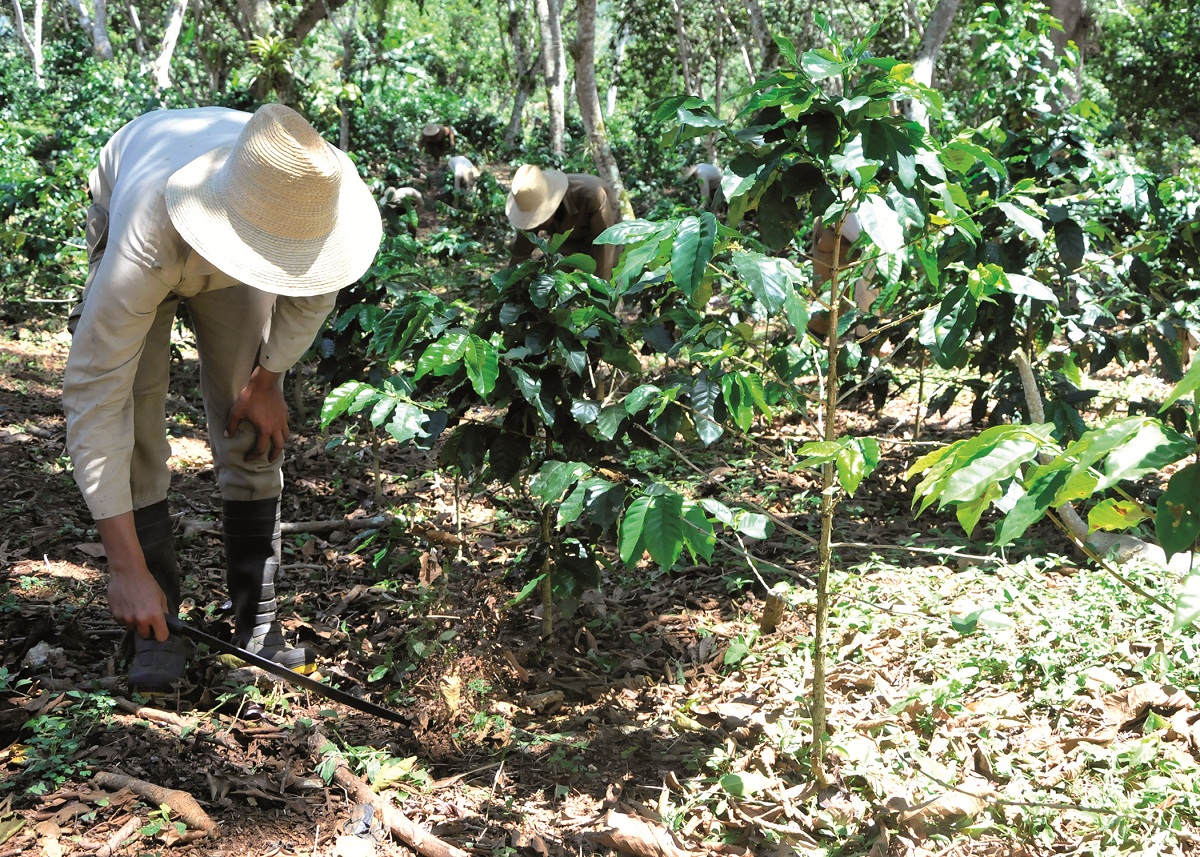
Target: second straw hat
x,y
534,196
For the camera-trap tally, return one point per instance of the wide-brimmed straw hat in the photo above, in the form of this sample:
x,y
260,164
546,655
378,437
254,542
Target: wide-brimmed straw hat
x,y
280,210
534,196
433,129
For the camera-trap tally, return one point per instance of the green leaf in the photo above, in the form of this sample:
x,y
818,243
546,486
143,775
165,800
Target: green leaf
x,y
446,352
968,514
1177,522
653,523
641,396
339,401
994,464
1115,515
1018,284
1187,385
1071,242
692,250
407,422
1151,449
582,261
746,783
718,510
1187,603
1031,506
1026,221
698,532
704,396
603,502
882,224
608,423
482,364
770,279
754,525
554,478
856,459
821,64
945,330
630,539
631,231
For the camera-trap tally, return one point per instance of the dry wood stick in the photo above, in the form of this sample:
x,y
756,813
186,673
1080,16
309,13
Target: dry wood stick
x,y
114,843
400,825
179,802
175,723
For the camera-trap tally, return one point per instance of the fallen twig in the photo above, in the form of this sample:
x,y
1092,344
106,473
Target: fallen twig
x,y
335,524
114,843
174,722
180,802
400,825
193,526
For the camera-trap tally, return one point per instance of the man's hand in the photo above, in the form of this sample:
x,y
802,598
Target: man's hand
x,y
261,404
134,597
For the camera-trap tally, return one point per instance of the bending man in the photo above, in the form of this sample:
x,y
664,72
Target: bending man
x,y
550,202
253,222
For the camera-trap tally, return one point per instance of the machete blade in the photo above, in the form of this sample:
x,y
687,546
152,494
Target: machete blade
x,y
178,626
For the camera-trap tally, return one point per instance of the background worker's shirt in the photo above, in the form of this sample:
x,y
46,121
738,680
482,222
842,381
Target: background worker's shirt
x,y
587,209
145,261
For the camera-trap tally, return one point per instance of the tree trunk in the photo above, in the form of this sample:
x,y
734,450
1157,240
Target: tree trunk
x,y
135,22
767,52
85,20
1075,29
257,15
31,41
554,65
523,71
101,46
690,85
743,48
610,98
162,64
589,104
936,29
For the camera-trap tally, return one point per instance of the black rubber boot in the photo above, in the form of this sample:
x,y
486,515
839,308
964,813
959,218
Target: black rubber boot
x,y
252,553
156,666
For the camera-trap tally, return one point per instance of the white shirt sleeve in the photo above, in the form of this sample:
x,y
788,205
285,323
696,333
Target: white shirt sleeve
x,y
294,324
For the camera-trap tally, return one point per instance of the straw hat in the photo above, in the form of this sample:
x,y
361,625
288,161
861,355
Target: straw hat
x,y
280,210
534,196
433,129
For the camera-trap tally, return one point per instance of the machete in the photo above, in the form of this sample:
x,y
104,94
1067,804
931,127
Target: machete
x,y
177,626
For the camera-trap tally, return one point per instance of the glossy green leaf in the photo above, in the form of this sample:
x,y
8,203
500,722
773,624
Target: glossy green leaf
x,y
1115,515
653,524
339,401
772,280
553,479
1187,602
1071,241
1187,385
407,422
634,231
482,364
704,395
1152,448
1177,522
945,330
640,398
698,532
882,224
1031,506
754,525
443,354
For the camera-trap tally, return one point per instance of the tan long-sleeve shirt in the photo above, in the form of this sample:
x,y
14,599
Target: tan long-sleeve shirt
x,y
144,262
